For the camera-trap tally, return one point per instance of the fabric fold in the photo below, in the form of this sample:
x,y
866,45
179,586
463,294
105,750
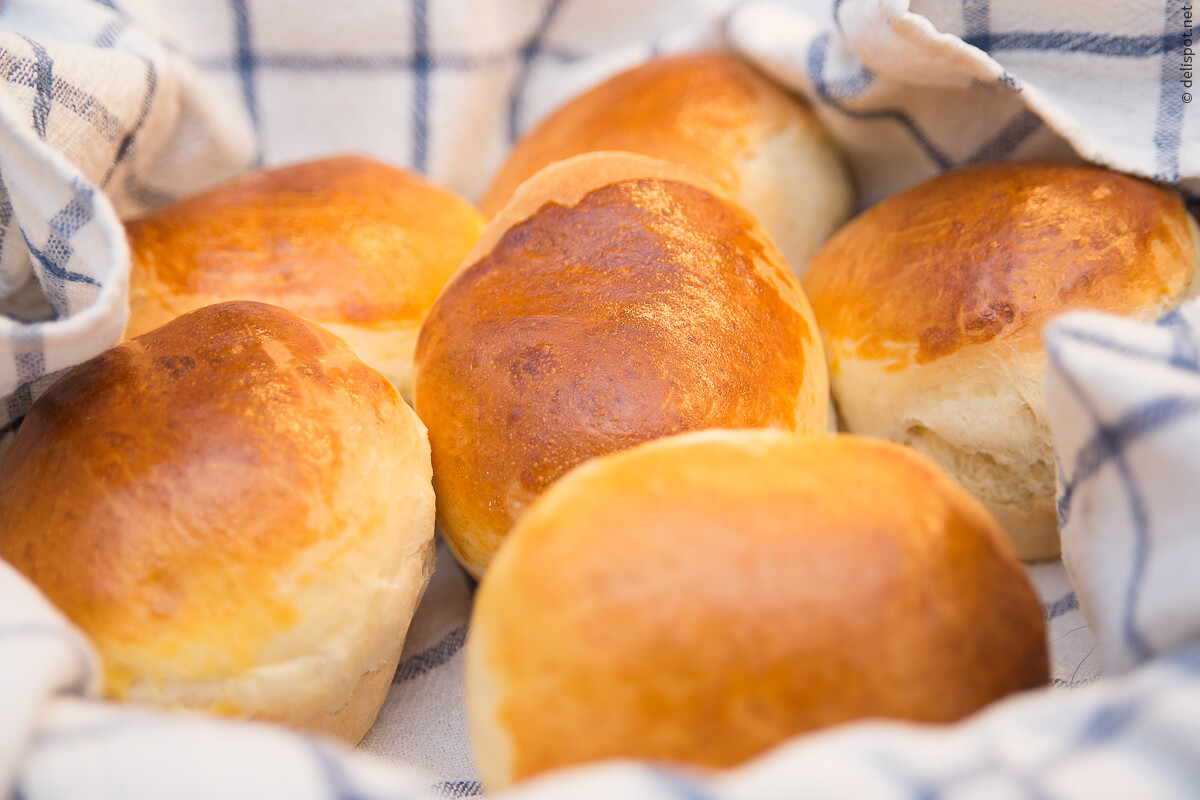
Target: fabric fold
x,y
110,108
1123,401
43,657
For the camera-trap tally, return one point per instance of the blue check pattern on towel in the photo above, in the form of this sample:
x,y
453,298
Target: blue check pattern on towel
x,y
913,88
109,107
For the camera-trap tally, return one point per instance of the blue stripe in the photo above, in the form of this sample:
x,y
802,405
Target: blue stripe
x,y
977,23
529,52
1060,683
1109,442
420,113
58,252
349,62
1066,495
1149,418
50,262
75,214
432,657
130,136
1106,445
24,72
1185,354
817,54
1067,603
455,789
1108,723
1023,125
30,364
1168,122
843,87
6,219
43,84
245,68
108,35
1071,42
1120,348
49,259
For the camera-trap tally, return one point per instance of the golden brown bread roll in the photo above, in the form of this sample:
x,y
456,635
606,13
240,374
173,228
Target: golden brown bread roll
x,y
703,597
932,305
355,245
616,299
716,114
236,510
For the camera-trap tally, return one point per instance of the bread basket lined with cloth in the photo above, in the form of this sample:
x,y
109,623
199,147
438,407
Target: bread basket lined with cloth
x,y
111,108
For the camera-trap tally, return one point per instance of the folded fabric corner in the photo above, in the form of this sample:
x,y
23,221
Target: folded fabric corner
x,y
1123,402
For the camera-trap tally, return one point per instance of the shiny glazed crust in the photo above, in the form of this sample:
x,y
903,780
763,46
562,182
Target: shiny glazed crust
x,y
701,598
348,242
615,300
717,115
236,510
932,305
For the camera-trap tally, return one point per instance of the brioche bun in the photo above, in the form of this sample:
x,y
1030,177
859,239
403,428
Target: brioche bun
x,y
616,299
716,114
355,245
932,305
703,597
236,510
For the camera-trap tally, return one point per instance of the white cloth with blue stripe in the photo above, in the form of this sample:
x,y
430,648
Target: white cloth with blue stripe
x,y
110,106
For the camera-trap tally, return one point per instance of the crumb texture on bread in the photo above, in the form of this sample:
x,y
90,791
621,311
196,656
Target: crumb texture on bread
x,y
243,520
932,305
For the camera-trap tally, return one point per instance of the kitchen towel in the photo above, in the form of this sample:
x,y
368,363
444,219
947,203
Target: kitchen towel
x,y
109,107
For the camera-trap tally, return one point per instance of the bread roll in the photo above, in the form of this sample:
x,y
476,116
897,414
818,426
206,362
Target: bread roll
x,y
716,114
357,246
703,597
236,510
932,305
616,299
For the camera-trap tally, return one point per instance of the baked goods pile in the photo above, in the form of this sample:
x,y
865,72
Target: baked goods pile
x,y
627,397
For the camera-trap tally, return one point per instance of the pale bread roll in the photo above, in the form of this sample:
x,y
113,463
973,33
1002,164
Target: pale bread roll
x,y
236,510
616,299
932,305
701,598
